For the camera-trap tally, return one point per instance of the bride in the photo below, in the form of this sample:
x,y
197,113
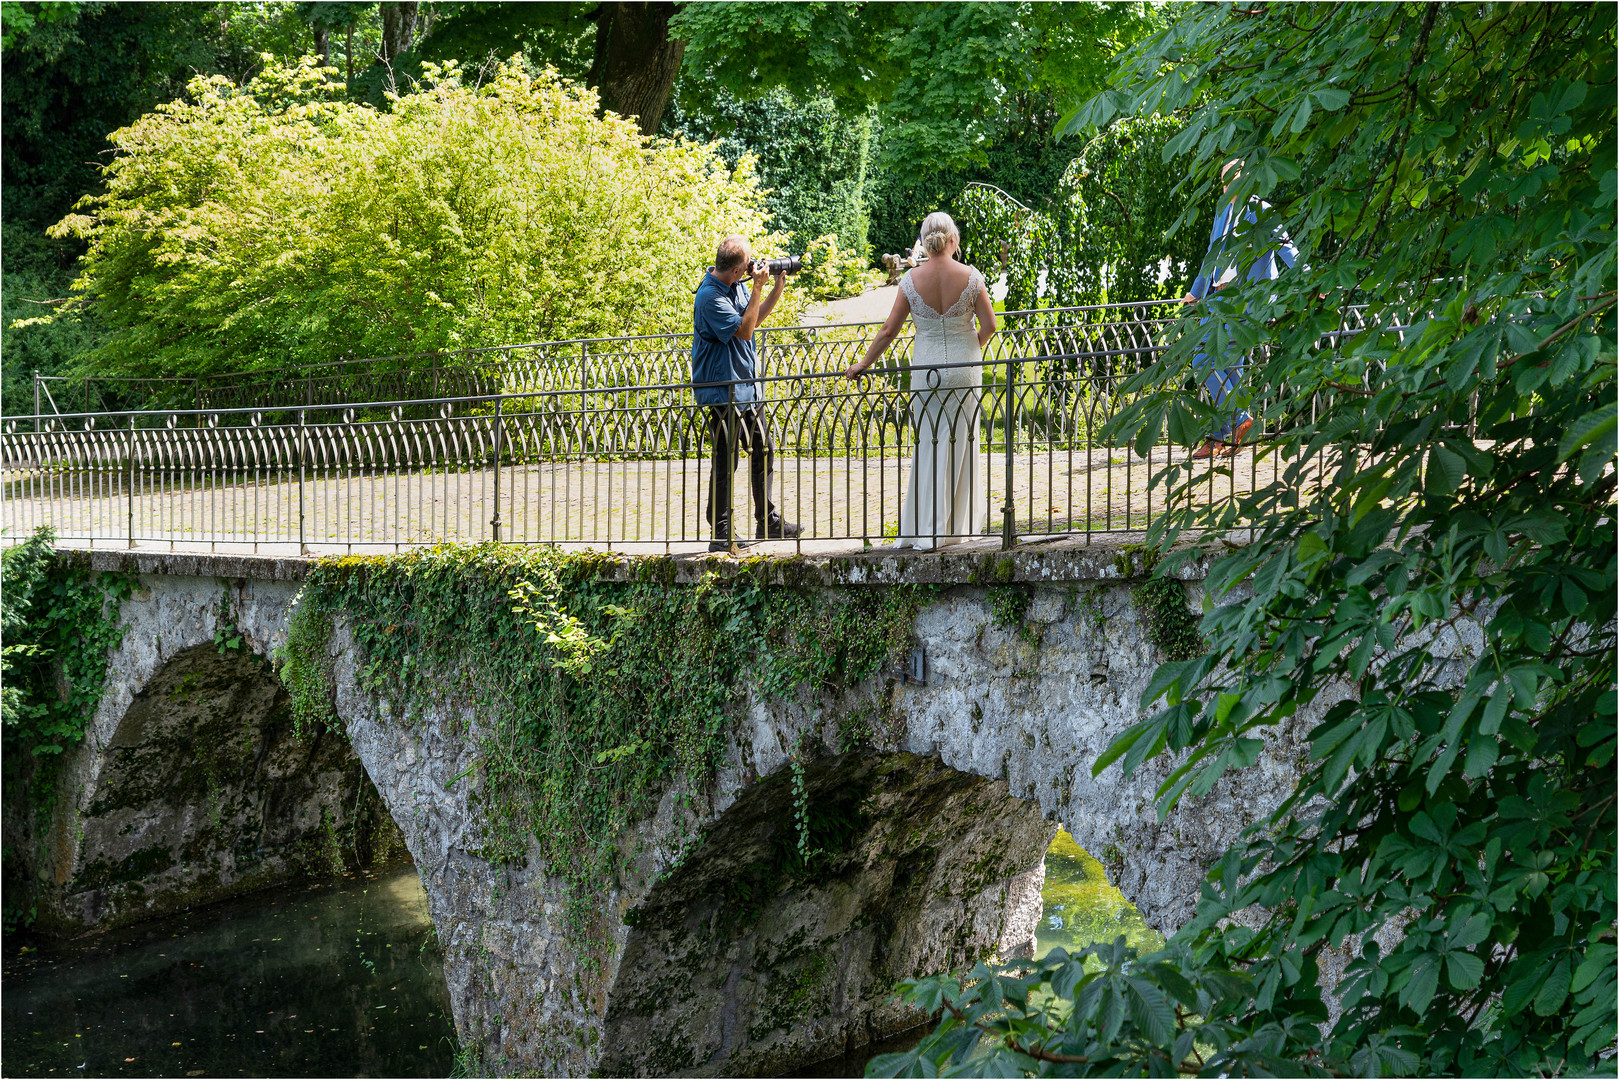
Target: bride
x,y
945,502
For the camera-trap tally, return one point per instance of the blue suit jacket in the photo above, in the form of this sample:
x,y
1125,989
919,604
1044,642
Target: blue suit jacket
x,y
1228,225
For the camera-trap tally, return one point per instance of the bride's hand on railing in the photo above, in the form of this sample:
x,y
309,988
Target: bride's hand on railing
x,y
855,370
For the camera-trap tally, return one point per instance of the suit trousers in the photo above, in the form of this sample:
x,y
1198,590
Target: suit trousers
x,y
1220,384
731,429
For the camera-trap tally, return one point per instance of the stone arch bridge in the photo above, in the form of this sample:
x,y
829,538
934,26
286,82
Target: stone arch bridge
x,y
711,969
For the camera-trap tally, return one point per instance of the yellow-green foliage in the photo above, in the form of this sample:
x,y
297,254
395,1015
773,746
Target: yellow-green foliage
x,y
257,226
831,273
1091,911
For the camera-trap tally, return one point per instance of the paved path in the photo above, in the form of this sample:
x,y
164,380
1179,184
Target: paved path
x,y
872,306
655,505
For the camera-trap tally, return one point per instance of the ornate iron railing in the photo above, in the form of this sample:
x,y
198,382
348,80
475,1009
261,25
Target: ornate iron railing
x,y
576,364
556,444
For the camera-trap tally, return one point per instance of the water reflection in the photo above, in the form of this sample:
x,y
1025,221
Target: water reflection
x,y
1080,908
289,982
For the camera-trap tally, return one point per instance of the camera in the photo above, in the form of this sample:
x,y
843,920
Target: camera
x,y
789,265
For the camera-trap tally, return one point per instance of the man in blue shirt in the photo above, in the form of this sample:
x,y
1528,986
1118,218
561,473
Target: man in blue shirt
x,y
1219,272
724,373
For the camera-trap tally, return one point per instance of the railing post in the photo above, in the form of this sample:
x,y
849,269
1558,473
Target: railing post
x,y
36,401
129,478
1008,417
731,438
303,543
494,522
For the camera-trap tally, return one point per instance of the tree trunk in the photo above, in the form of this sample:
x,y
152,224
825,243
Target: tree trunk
x,y
323,47
348,54
635,63
398,28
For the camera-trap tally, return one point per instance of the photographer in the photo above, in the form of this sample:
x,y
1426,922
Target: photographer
x,y
724,317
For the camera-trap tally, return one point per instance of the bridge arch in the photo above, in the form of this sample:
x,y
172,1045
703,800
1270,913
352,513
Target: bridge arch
x,y
780,936
714,961
190,785
933,801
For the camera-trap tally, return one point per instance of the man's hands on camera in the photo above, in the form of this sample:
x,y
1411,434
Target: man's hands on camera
x,y
760,270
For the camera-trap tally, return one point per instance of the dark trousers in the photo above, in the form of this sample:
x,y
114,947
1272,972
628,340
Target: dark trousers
x,y
732,428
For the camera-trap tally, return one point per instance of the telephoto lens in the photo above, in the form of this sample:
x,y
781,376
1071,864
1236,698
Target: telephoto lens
x,y
789,265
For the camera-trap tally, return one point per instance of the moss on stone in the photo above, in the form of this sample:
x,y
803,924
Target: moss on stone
x,y
993,570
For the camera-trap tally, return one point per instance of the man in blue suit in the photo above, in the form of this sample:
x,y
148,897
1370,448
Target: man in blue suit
x,y
1219,271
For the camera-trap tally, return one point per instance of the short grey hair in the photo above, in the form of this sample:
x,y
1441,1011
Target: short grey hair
x,y
732,250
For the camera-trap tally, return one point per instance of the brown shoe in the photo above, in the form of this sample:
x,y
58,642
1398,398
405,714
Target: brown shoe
x,y
1236,438
1209,449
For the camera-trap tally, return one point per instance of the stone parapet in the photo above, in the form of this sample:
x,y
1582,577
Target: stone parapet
x,y
964,565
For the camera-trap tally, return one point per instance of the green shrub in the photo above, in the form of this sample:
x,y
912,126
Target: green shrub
x,y
831,273
253,227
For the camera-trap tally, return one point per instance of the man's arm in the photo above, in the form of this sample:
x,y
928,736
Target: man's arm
x,y
775,294
757,307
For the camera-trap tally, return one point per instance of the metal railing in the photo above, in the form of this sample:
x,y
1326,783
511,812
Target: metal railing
x,y
581,449
577,364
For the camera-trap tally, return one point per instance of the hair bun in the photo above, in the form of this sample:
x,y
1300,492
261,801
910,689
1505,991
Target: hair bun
x,y
938,229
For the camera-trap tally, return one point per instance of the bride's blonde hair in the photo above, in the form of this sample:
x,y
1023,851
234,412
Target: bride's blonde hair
x,y
938,229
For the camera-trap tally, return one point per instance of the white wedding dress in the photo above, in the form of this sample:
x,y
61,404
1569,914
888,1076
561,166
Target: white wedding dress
x,y
946,501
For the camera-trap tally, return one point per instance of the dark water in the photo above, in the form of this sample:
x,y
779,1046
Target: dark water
x,y
291,982
343,981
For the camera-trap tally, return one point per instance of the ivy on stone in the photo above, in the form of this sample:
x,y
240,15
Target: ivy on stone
x,y
60,620
590,698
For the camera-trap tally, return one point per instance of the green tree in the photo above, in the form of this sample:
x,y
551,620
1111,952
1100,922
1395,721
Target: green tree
x,y
941,75
959,92
74,72
1023,160
559,35
813,162
1452,169
624,51
1105,235
279,224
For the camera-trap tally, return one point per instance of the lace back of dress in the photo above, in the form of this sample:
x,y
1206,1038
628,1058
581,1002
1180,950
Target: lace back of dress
x,y
945,339
920,309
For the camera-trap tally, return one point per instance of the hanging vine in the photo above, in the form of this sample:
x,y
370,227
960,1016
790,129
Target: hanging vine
x,y
1102,236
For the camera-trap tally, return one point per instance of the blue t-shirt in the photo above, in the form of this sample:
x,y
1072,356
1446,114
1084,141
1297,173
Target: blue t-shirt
x,y
717,354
